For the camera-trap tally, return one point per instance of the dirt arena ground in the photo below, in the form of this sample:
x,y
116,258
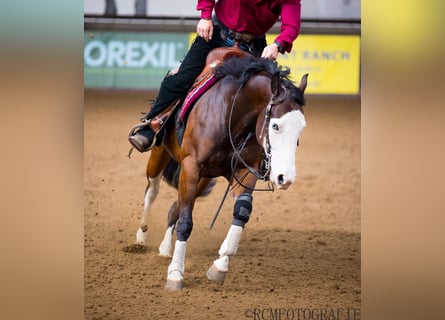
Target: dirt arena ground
x,y
299,257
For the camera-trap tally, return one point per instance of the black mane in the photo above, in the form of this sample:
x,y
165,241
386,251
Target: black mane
x,y
243,68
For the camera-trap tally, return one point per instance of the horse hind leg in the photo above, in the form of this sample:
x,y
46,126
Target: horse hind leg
x,y
165,247
151,192
155,167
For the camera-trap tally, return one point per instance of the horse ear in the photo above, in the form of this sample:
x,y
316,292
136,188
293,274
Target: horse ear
x,y
275,84
303,83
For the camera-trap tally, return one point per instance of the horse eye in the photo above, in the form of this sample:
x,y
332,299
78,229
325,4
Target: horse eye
x,y
275,127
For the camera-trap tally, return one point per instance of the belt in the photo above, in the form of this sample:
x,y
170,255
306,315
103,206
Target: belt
x,y
243,37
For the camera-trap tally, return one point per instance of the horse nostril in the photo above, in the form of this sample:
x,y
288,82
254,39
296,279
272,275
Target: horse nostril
x,y
280,179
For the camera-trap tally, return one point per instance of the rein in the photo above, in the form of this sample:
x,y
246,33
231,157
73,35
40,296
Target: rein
x,y
274,100
236,157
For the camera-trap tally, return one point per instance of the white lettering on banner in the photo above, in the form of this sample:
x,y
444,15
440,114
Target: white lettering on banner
x,y
163,55
116,51
172,54
335,55
149,54
99,47
131,54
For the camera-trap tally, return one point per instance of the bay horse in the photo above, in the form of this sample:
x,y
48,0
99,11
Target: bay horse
x,y
244,128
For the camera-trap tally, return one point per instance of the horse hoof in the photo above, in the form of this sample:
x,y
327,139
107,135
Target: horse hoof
x,y
174,285
215,275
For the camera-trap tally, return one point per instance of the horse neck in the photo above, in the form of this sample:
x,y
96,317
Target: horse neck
x,y
243,112
258,91
253,97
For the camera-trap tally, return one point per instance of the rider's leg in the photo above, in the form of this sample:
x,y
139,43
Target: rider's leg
x,y
175,86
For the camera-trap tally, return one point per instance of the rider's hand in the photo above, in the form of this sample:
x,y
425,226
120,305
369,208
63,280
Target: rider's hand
x,y
270,52
205,29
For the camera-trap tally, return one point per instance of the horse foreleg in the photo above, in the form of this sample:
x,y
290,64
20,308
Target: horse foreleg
x,y
175,272
241,214
165,247
188,187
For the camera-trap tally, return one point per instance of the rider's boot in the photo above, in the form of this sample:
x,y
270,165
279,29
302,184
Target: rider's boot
x,y
142,137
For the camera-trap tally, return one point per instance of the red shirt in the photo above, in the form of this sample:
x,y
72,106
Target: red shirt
x,y
257,16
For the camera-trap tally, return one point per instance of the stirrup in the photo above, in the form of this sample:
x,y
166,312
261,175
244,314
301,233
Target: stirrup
x,y
139,145
138,127
133,146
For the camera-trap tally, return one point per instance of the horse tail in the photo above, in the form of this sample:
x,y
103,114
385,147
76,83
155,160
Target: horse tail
x,y
171,176
171,173
208,189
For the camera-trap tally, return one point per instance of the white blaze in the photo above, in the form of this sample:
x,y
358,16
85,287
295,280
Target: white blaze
x,y
283,136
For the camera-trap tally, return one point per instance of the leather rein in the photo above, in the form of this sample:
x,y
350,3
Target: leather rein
x,y
264,172
236,157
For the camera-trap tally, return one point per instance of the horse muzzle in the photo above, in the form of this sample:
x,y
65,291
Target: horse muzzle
x,y
283,181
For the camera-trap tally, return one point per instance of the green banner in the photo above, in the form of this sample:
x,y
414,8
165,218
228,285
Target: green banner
x,y
140,60
134,60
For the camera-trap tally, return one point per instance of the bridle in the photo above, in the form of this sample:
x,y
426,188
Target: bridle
x,y
264,172
274,100
267,155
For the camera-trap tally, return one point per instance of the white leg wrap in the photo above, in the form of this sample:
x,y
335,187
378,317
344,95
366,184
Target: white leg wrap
x,y
176,267
222,264
228,248
165,248
230,243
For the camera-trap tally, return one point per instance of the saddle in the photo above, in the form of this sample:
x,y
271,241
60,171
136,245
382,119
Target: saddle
x,y
202,83
207,79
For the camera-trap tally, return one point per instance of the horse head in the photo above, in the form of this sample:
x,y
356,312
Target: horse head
x,y
280,128
266,98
